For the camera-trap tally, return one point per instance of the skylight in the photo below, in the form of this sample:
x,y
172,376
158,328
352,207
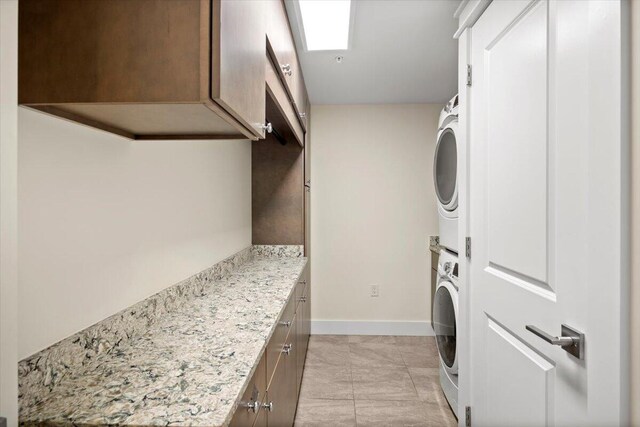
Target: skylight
x,y
325,23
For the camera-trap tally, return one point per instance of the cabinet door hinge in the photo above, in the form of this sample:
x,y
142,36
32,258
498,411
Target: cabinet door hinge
x,y
467,247
467,416
468,74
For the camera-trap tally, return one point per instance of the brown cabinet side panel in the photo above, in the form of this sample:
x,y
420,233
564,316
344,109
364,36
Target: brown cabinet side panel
x,y
110,51
307,310
277,193
307,194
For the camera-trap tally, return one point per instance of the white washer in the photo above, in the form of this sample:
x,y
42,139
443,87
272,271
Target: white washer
x,y
445,175
445,324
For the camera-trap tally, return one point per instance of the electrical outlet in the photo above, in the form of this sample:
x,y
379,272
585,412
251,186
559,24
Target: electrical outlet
x,y
375,291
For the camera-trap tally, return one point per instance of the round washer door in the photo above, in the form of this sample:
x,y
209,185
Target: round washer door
x,y
445,324
445,167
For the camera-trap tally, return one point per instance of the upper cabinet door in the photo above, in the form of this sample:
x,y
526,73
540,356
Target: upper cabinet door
x,y
238,77
280,42
300,98
282,50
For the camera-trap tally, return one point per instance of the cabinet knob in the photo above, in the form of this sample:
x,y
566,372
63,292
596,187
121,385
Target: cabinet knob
x,y
268,127
287,349
287,323
303,115
268,406
303,282
286,69
303,299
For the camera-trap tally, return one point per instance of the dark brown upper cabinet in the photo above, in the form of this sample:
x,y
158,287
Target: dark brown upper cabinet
x,y
281,49
147,69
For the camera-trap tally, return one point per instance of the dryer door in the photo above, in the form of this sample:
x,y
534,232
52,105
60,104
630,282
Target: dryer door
x,y
445,320
445,167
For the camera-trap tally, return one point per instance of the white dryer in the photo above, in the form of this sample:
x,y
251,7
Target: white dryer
x,y
445,175
445,325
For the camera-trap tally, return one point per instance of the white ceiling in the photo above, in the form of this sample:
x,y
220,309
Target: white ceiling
x,y
402,51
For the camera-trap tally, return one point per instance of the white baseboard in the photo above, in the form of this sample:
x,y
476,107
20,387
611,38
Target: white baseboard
x,y
371,327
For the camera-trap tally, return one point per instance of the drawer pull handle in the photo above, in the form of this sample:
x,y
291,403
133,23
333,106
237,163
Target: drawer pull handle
x,y
287,323
287,349
268,406
302,282
253,406
303,299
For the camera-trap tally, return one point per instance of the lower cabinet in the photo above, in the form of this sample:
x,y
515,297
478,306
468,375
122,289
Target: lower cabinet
x,y
271,397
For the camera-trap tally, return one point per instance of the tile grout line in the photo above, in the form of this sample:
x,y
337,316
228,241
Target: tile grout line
x,y
353,390
409,372
412,380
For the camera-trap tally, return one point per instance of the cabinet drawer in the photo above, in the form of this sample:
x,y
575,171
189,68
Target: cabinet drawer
x,y
282,393
261,419
252,398
276,344
302,340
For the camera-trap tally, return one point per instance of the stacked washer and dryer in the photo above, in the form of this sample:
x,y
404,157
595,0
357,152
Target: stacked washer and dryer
x,y
445,301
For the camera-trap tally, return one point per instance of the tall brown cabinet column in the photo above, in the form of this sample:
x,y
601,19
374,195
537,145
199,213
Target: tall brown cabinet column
x,y
281,208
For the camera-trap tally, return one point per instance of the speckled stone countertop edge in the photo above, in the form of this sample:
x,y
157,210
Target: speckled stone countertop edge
x,y
40,369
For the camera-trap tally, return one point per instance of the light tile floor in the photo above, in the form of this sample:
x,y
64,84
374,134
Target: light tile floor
x,y
372,381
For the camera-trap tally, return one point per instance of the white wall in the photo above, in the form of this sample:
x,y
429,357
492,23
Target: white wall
x,y
105,222
373,207
8,210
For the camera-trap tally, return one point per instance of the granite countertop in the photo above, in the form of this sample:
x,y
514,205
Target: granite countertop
x,y
189,368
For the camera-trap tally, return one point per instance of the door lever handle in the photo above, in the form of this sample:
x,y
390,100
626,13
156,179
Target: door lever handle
x,y
561,341
570,339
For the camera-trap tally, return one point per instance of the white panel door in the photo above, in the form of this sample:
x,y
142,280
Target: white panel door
x,y
536,167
